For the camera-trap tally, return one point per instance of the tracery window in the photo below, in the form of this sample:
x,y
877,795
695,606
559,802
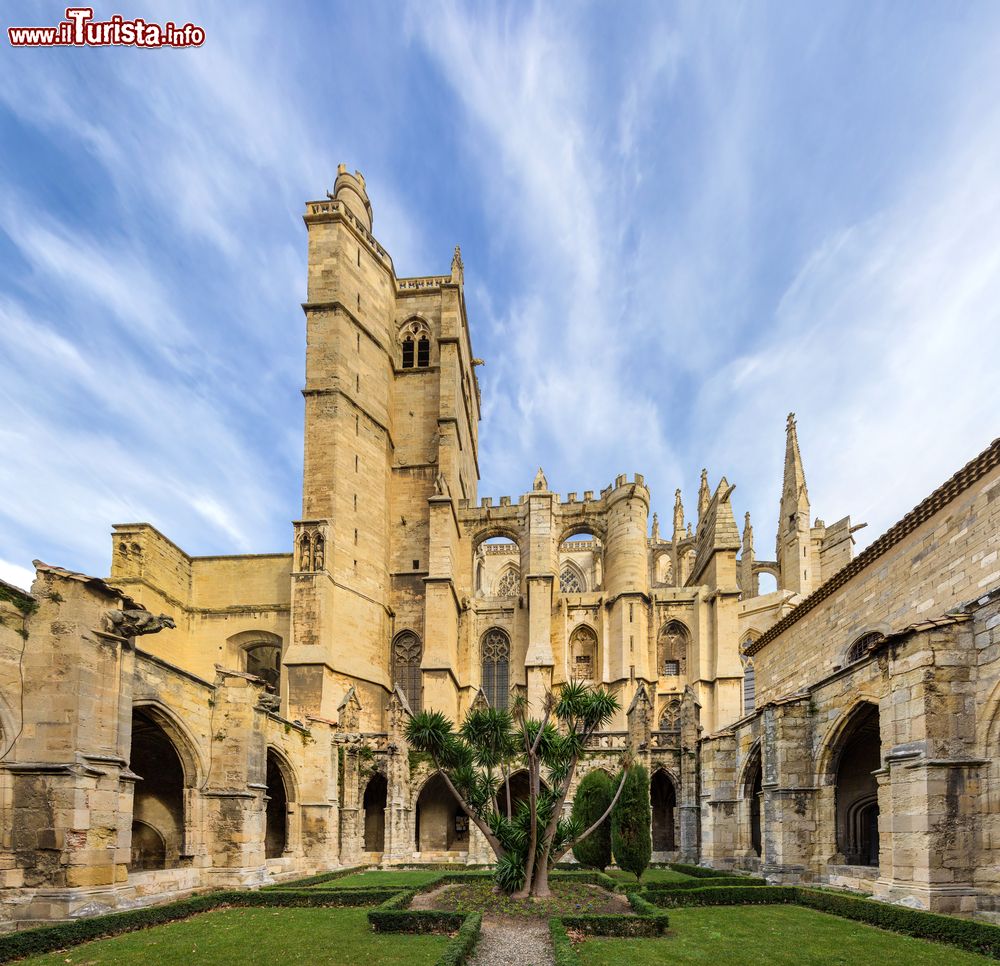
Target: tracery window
x,y
672,648
509,584
496,667
415,340
670,720
860,647
569,582
406,654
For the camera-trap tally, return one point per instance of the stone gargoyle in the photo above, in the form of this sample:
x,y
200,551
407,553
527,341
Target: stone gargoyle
x,y
134,623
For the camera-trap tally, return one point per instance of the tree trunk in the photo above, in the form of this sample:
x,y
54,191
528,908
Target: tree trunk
x,y
540,887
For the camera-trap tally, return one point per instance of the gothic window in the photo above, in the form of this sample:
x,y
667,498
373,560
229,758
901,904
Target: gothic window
x,y
509,584
569,582
859,648
749,687
415,340
670,720
671,648
583,654
406,654
264,662
496,667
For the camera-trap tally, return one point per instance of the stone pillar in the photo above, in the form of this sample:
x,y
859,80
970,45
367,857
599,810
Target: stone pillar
x,y
788,822
399,831
689,803
320,797
351,814
235,796
930,788
718,800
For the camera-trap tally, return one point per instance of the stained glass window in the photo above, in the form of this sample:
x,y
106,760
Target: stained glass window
x,y
496,667
406,654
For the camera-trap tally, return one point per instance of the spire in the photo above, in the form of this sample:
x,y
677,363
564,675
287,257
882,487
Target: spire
x,y
678,515
656,526
794,485
457,268
704,496
747,534
540,482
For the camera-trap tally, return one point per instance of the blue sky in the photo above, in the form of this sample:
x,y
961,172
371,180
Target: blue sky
x,y
678,222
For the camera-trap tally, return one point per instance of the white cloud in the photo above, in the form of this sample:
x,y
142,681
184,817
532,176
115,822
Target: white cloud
x,y
17,574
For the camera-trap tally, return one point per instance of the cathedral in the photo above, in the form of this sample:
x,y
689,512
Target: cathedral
x,y
188,723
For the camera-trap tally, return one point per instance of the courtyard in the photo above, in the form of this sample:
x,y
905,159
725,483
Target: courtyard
x,y
358,928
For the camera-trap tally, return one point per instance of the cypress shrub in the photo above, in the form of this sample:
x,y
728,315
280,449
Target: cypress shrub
x,y
590,802
631,837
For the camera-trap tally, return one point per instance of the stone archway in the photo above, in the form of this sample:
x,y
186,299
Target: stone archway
x,y
374,802
663,802
158,802
858,755
441,825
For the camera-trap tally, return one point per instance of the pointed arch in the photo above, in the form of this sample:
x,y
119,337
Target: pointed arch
x,y
663,804
583,649
407,653
185,745
374,803
571,579
494,649
672,644
831,746
280,781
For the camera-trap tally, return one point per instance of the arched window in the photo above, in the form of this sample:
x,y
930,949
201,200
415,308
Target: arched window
x,y
415,339
406,654
670,720
749,687
264,662
570,582
509,584
859,648
496,667
583,654
672,648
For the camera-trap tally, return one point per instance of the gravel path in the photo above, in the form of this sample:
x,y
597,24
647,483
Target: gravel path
x,y
513,942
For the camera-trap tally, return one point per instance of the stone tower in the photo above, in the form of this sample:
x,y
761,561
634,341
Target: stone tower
x,y
391,419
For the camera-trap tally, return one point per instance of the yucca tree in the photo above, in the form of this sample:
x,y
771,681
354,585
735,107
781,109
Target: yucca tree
x,y
478,758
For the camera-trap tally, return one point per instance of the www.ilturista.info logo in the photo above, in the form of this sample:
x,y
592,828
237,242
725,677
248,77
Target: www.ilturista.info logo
x,y
79,29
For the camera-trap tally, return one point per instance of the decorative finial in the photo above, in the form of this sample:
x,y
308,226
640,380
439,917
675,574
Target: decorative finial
x,y
656,526
540,482
457,268
678,513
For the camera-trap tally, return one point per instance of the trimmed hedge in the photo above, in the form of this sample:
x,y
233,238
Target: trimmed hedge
x,y
415,920
708,883
316,879
629,927
724,896
642,906
47,939
563,953
587,877
457,951
698,871
977,937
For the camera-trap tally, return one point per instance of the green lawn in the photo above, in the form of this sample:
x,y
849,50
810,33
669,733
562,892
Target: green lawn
x,y
770,936
382,878
257,937
650,875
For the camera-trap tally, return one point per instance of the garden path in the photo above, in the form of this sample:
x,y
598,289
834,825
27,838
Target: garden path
x,y
506,941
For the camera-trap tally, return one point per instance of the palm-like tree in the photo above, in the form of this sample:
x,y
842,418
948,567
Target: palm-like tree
x,y
478,758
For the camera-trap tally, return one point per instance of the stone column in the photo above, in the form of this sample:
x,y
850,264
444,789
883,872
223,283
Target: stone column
x,y
235,797
320,797
351,815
